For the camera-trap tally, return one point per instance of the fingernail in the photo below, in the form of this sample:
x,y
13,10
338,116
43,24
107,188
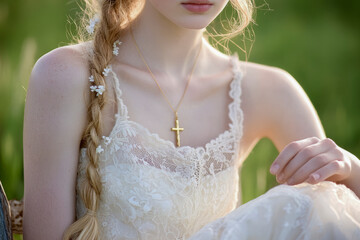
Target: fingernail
x,y
315,176
274,168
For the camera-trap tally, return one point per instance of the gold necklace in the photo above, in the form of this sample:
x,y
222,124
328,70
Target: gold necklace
x,y
177,127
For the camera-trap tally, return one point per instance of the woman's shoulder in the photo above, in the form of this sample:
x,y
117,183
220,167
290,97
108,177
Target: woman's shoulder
x,y
273,84
58,83
262,76
260,81
64,63
63,71
275,102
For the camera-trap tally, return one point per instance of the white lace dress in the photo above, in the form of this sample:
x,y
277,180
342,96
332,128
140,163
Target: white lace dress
x,y
154,190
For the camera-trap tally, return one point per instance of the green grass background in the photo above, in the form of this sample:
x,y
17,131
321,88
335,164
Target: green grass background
x,y
316,41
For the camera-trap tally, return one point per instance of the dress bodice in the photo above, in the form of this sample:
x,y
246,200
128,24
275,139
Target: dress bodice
x,y
154,190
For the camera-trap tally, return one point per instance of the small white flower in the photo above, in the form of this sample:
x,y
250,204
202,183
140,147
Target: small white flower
x,y
91,78
93,88
91,27
107,140
99,149
106,71
98,89
116,48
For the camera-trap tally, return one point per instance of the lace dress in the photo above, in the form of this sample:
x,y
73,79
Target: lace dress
x,y
154,190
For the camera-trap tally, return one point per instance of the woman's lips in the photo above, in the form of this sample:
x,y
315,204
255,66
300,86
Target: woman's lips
x,y
197,6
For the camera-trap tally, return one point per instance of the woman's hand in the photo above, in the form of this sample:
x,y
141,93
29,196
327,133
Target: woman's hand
x,y
311,160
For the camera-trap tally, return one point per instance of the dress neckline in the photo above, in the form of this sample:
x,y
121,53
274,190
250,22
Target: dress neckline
x,y
236,78
234,94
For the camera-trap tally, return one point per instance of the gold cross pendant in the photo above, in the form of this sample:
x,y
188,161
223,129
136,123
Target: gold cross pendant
x,y
177,129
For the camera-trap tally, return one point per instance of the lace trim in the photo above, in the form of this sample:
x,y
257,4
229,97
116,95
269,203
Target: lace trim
x,y
235,113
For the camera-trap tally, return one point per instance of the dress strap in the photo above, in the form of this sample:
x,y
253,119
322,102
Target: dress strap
x,y
235,112
121,107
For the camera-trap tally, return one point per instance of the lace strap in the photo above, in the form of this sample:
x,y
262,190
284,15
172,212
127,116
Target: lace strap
x,y
235,112
235,92
235,87
121,107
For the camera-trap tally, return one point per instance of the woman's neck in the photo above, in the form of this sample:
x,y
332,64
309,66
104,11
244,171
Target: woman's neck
x,y
165,46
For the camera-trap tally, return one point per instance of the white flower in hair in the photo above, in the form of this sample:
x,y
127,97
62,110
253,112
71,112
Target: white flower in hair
x,y
116,48
99,149
91,27
106,71
91,78
107,140
98,89
93,88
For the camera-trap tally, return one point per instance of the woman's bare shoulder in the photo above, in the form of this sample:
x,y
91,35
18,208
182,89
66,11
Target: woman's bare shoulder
x,y
260,76
61,77
278,104
271,84
57,90
63,66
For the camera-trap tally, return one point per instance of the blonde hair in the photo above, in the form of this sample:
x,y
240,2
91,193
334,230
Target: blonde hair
x,y
114,17
234,26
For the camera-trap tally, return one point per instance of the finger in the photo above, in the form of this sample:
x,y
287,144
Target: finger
x,y
313,165
302,157
289,152
330,169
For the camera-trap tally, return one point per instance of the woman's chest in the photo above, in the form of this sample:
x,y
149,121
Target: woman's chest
x,y
203,113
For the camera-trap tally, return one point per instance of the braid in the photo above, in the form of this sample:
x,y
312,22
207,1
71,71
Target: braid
x,y
115,16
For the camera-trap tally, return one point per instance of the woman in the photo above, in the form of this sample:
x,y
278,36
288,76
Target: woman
x,y
163,121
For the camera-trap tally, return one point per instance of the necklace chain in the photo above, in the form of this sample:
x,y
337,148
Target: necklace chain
x,y
177,129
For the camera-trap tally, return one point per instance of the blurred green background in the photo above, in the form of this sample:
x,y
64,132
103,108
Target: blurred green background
x,y
316,41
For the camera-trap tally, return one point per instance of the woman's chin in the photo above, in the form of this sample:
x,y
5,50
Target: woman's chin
x,y
195,23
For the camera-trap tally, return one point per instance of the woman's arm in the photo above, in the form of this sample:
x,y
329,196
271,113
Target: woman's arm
x,y
294,126
55,116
